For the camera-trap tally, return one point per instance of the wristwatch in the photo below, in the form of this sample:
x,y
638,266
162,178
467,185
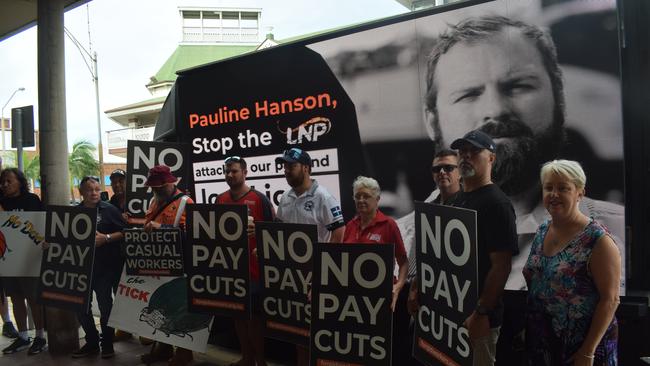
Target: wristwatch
x,y
482,310
108,238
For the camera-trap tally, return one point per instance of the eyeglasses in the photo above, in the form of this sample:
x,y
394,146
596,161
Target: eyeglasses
x,y
448,168
87,178
232,159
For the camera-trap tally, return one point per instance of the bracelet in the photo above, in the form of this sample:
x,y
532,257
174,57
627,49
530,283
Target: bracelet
x,y
591,357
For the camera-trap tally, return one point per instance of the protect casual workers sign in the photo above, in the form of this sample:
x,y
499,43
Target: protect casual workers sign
x,y
216,260
351,297
155,253
447,274
156,308
144,155
284,252
67,264
21,237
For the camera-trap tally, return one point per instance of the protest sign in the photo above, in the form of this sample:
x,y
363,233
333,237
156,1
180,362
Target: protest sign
x,y
351,297
217,260
285,254
302,105
21,236
158,252
446,252
156,308
144,155
67,264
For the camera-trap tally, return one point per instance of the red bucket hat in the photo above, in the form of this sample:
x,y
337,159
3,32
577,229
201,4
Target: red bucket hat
x,y
159,175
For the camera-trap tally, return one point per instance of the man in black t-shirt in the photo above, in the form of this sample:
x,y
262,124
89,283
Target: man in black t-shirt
x,y
118,184
107,266
497,240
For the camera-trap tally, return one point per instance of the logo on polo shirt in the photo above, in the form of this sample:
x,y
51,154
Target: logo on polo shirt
x,y
309,205
374,237
336,211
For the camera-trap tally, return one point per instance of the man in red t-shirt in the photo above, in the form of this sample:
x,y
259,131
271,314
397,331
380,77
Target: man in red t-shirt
x,y
250,333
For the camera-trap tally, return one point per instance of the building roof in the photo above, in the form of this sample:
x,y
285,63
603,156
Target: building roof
x,y
143,103
186,56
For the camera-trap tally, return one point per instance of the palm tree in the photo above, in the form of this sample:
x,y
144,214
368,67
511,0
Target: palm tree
x,y
32,169
81,162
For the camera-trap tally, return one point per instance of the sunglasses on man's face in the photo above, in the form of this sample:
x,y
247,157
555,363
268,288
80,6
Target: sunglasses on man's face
x,y
232,159
294,153
448,168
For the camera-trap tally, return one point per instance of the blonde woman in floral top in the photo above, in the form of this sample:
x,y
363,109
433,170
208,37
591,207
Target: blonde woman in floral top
x,y
573,274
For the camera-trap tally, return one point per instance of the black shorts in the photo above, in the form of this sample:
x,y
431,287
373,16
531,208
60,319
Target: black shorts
x,y
256,298
26,287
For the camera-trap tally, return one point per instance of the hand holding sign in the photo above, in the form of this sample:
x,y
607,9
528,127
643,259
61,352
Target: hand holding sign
x,y
100,239
151,225
250,229
397,287
477,325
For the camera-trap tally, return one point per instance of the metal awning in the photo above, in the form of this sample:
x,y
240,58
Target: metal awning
x,y
19,15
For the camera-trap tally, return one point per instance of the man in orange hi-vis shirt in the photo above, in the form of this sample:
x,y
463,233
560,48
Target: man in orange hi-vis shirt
x,y
167,210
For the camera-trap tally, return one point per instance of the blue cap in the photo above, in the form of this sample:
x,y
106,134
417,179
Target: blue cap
x,y
476,138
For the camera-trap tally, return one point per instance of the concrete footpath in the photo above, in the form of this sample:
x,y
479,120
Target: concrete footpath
x,y
126,354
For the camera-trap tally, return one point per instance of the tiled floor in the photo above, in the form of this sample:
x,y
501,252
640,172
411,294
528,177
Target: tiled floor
x,y
126,354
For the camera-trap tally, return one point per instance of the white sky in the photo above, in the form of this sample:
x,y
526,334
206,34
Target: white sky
x,y
133,38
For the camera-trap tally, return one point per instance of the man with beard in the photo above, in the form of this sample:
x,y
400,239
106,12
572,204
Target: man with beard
x,y
307,202
496,235
249,332
501,77
167,210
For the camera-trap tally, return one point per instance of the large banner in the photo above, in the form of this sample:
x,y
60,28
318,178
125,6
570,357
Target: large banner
x,y
409,86
67,264
156,308
144,155
296,102
21,237
423,82
447,275
155,253
285,255
216,260
351,297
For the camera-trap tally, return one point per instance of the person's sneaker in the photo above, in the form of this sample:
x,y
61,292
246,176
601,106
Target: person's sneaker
x,y
16,346
121,335
86,350
108,351
9,331
38,345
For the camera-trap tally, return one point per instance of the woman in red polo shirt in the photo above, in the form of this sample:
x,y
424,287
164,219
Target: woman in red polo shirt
x,y
371,226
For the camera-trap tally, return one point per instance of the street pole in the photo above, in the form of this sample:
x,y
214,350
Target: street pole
x,y
85,54
100,147
2,116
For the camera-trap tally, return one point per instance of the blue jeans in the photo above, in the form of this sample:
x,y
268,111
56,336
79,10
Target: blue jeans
x,y
102,285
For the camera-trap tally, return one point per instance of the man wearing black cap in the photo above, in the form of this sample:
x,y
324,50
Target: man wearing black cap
x,y
307,202
118,184
496,235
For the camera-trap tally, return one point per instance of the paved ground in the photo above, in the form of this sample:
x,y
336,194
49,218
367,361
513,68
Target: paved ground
x,y
126,354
